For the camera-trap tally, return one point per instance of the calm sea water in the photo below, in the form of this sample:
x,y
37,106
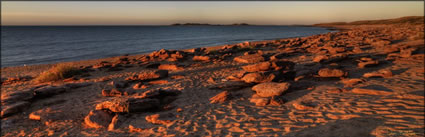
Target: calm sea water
x,y
50,44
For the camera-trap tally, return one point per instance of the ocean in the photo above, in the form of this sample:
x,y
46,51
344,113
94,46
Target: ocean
x,y
29,45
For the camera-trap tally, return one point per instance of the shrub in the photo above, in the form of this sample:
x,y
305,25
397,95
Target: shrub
x,y
58,72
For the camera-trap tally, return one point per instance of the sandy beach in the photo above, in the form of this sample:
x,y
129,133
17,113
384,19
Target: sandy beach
x,y
365,80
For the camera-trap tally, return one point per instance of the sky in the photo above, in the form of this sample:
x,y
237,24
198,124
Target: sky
x,y
213,12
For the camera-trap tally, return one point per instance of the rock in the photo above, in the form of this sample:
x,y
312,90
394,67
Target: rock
x,y
129,105
24,95
368,64
116,122
320,58
7,110
262,66
158,82
276,101
270,89
139,85
98,119
77,85
254,78
113,93
221,97
351,82
159,74
283,65
154,119
370,92
259,101
48,91
119,84
134,129
254,58
46,114
327,72
201,58
278,56
169,67
380,73
405,53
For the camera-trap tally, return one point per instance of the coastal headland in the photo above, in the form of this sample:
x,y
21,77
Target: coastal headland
x,y
367,79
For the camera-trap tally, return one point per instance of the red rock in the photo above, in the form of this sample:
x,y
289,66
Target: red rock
x,y
149,76
276,101
201,58
259,101
158,82
380,73
116,122
98,119
327,72
221,97
270,89
113,93
154,119
169,67
47,114
285,65
368,64
263,66
320,58
134,129
254,78
352,82
255,58
129,105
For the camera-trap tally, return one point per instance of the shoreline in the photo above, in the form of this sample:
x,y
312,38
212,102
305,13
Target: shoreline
x,y
89,62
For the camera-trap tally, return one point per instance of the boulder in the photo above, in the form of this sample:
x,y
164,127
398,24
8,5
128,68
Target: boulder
x,y
221,97
270,89
254,58
327,72
263,66
98,119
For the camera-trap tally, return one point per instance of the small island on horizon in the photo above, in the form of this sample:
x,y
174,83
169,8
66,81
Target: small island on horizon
x,y
206,24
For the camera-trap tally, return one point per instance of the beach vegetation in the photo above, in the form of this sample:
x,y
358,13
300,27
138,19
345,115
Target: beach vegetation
x,y
58,72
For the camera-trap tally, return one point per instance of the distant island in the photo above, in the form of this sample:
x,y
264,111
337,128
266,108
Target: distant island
x,y
206,24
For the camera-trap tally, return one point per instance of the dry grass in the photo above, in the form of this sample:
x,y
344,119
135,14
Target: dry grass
x,y
58,72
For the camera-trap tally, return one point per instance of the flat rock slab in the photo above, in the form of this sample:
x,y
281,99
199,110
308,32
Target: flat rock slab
x,y
48,91
262,66
270,89
254,58
329,73
129,105
17,107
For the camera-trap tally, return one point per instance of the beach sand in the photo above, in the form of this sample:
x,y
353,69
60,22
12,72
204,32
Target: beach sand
x,y
315,104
